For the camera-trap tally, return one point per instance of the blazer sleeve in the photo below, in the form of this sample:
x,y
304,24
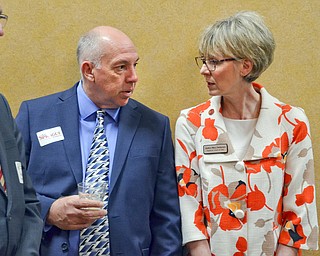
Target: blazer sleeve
x,y
32,223
165,217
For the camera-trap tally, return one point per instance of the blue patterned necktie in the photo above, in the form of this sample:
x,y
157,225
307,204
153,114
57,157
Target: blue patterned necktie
x,y
94,240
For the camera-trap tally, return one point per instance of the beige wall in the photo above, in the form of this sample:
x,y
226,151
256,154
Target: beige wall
x,y
38,50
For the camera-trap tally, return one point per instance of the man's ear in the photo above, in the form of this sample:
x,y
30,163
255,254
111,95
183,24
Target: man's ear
x,y
87,70
246,67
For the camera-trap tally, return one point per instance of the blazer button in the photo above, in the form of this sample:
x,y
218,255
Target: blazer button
x,y
64,247
239,166
239,214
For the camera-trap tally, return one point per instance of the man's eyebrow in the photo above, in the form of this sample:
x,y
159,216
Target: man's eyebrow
x,y
126,61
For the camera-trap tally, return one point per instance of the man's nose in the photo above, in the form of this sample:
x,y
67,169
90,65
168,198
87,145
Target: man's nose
x,y
132,75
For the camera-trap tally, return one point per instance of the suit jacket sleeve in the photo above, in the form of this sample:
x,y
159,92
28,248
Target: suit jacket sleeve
x,y
166,224
32,223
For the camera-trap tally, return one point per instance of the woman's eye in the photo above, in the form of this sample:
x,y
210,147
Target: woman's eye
x,y
213,62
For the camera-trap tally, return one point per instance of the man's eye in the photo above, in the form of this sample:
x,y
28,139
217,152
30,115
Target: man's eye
x,y
121,67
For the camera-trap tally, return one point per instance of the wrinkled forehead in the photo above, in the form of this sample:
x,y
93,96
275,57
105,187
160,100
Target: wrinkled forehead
x,y
120,52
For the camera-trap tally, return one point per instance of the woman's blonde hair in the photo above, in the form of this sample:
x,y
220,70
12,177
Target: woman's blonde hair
x,y
241,36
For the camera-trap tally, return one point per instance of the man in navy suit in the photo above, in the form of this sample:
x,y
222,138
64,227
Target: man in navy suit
x,y
143,210
20,221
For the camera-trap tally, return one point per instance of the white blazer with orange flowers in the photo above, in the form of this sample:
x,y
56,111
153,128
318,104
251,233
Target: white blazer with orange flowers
x,y
247,207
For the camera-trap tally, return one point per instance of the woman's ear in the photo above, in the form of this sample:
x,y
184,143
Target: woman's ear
x,y
87,70
246,67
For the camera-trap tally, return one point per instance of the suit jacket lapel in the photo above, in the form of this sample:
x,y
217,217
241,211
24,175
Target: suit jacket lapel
x,y
128,124
68,112
3,163
9,177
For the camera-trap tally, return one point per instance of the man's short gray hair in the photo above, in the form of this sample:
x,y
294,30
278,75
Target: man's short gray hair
x,y
90,49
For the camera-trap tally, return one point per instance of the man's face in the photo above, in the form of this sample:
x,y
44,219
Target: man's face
x,y
116,77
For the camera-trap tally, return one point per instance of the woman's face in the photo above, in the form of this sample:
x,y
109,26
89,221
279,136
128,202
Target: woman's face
x,y
226,79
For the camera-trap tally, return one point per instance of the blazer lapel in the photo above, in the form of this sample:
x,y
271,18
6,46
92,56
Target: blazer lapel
x,y
9,176
267,128
68,112
3,163
128,124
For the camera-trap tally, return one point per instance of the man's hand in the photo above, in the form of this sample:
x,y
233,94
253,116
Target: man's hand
x,y
73,213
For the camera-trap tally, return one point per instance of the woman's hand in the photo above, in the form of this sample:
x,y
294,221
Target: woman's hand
x,y
284,250
199,248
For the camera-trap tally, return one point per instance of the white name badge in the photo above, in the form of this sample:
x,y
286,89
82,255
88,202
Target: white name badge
x,y
19,171
48,136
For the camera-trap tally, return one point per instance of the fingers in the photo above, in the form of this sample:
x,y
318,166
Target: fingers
x,y
83,219
71,212
87,203
92,213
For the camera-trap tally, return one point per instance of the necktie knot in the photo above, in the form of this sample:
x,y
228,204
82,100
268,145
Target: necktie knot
x,y
100,116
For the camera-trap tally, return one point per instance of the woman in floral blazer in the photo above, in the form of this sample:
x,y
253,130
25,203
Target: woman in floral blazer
x,y
244,159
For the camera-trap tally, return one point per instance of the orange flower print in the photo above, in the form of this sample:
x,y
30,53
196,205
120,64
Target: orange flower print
x,y
306,197
192,154
267,163
200,219
279,210
256,199
186,182
300,131
281,144
186,176
223,202
241,246
284,145
257,86
253,167
210,131
285,109
194,115
287,180
292,232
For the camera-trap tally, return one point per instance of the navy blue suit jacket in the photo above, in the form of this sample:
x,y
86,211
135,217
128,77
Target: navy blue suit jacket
x,y
20,222
143,212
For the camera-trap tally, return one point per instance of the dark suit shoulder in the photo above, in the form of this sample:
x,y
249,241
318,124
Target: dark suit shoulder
x,y
54,96
4,104
5,111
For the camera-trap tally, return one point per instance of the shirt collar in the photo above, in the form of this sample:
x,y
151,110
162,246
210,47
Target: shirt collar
x,y
87,108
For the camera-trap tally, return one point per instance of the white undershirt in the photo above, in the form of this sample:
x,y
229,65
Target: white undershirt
x,y
240,133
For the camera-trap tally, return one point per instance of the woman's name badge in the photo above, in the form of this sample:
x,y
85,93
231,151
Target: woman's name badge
x,y
215,149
